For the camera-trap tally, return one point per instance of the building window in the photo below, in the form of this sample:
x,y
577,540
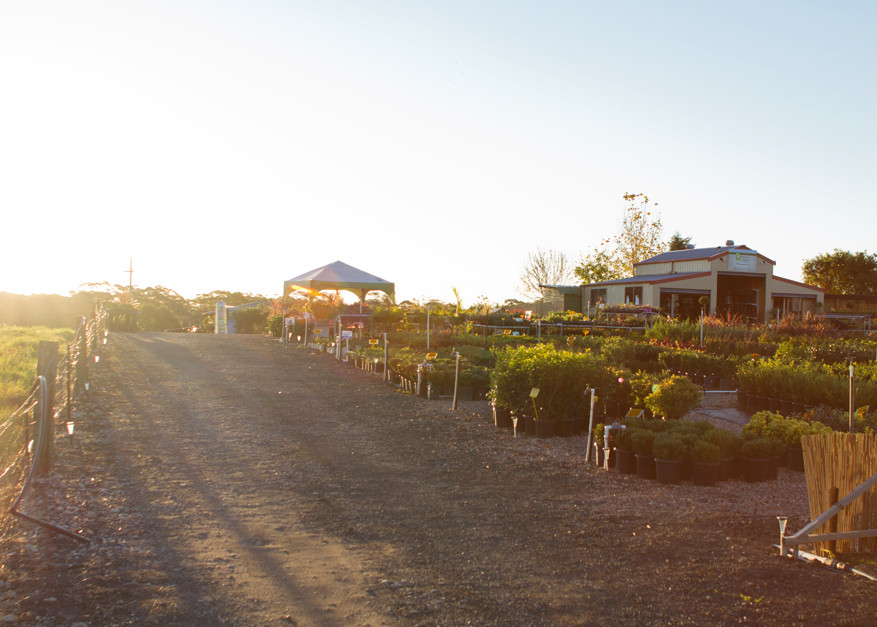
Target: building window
x,y
788,306
598,297
633,295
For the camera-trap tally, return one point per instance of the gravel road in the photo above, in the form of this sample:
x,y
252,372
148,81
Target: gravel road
x,y
239,481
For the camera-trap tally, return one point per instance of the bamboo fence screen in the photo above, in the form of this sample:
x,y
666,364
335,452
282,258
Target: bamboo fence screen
x,y
835,464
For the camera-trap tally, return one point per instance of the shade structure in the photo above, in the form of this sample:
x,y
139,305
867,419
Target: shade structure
x,y
340,276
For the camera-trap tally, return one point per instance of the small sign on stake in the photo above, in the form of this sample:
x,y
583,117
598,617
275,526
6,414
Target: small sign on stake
x,y
373,341
533,394
430,356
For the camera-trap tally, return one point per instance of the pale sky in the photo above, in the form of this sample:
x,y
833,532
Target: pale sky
x,y
233,145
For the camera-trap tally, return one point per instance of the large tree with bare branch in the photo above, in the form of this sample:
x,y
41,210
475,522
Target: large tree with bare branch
x,y
544,267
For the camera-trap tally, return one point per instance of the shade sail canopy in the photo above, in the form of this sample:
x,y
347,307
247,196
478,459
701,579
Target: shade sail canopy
x,y
340,276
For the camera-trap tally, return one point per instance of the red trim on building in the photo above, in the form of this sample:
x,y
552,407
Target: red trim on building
x,y
809,287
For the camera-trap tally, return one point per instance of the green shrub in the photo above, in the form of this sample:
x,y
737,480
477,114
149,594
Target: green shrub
x,y
624,440
778,448
674,398
633,355
642,384
767,424
642,440
705,452
561,376
729,443
757,448
669,446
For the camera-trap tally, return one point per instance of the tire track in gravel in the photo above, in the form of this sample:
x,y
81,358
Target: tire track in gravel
x,y
203,452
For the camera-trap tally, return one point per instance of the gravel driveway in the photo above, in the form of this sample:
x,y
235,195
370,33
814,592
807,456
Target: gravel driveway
x,y
236,480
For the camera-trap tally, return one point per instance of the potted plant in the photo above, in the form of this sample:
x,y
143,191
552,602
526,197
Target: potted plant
x,y
674,397
756,459
669,450
777,452
705,461
642,440
793,435
625,458
502,416
729,451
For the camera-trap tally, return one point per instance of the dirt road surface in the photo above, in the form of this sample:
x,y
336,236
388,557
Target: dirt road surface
x,y
239,481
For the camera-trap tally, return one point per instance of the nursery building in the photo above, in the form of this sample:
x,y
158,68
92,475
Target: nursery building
x,y
736,279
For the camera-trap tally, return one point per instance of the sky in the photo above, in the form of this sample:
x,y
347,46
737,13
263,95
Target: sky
x,y
234,145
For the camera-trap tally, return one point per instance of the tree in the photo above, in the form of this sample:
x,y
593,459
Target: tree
x,y
458,300
677,242
548,267
843,272
595,267
639,239
640,236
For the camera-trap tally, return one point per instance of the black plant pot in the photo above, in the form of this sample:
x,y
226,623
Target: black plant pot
x,y
705,473
502,417
772,468
755,470
625,461
666,470
645,466
726,465
565,428
545,428
795,458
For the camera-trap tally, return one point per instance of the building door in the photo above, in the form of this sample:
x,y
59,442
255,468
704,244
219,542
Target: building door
x,y
740,296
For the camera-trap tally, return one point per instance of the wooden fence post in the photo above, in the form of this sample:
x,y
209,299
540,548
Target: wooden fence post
x,y
82,358
69,381
47,366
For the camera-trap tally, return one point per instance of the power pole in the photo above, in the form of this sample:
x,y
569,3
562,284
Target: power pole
x,y
130,272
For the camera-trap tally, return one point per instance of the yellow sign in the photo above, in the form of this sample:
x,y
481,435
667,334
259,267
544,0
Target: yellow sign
x,y
431,356
533,394
860,412
373,342
507,332
318,330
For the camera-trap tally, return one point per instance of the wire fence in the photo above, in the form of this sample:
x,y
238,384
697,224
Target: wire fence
x,y
28,435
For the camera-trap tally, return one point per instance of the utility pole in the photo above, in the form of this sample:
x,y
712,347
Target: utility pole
x,y
130,272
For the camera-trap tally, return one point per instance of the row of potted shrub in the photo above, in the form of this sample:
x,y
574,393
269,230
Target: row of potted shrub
x,y
807,384
564,377
675,450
